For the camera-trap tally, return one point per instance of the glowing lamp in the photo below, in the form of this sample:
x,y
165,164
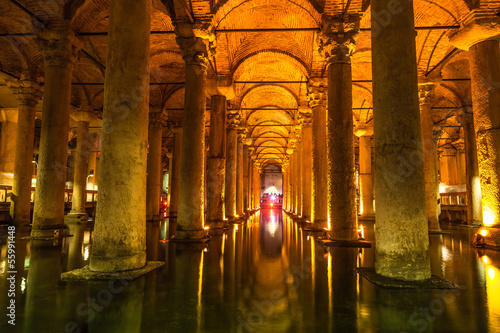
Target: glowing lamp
x,y
483,232
488,217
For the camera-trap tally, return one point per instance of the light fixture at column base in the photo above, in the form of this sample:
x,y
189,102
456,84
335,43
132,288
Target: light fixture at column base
x,y
488,237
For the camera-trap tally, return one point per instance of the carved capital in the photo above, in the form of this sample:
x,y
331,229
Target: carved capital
x,y
477,26
84,113
316,93
233,120
58,44
465,116
337,39
26,92
157,119
426,93
195,50
437,132
305,119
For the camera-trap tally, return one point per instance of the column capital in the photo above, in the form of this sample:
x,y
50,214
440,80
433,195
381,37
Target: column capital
x,y
465,116
316,92
478,26
305,118
426,93
220,86
157,119
58,44
196,41
337,39
437,131
26,92
460,147
233,120
362,130
83,113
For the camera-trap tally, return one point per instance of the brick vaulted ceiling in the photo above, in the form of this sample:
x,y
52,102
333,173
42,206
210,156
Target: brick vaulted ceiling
x,y
269,110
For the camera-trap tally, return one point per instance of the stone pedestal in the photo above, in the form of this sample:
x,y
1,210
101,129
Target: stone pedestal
x,y
306,123
57,44
337,42
28,94
402,250
485,75
190,219
319,191
216,164
120,224
429,144
231,165
176,173
473,183
81,172
154,179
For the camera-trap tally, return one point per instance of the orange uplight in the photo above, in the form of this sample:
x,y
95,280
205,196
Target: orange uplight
x,y
483,232
485,260
361,232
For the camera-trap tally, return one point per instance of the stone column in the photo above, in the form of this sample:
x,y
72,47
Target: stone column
x,y
306,123
28,95
293,181
337,47
485,75
365,173
70,173
250,184
245,179
8,117
479,36
473,183
402,235
83,145
231,165
57,44
461,163
92,165
216,164
120,224
154,179
317,102
429,141
257,186
239,176
190,220
176,172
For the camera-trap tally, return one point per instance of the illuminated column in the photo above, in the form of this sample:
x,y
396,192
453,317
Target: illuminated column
x,y
251,184
429,140
28,94
83,144
293,178
306,123
190,219
216,164
337,43
473,184
93,163
153,182
298,178
239,176
120,224
245,178
484,63
365,172
176,172
317,102
257,186
461,163
402,250
56,43
233,122
8,135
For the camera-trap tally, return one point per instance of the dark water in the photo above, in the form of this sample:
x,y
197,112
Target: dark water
x,y
263,276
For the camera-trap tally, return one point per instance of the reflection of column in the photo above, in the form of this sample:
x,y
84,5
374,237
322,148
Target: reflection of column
x,y
176,172
120,224
344,289
426,92
83,145
239,176
190,219
319,191
216,164
28,94
338,49
473,184
306,165
153,183
231,152
402,252
59,55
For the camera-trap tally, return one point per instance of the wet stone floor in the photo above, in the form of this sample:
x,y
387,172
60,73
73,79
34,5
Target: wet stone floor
x,y
266,275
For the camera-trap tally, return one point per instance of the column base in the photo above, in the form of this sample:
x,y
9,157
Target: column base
x,y
86,274
320,225
76,217
488,237
105,264
435,282
366,218
55,231
191,236
217,224
344,243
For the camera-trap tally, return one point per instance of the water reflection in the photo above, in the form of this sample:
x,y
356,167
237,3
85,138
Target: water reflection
x,y
265,275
